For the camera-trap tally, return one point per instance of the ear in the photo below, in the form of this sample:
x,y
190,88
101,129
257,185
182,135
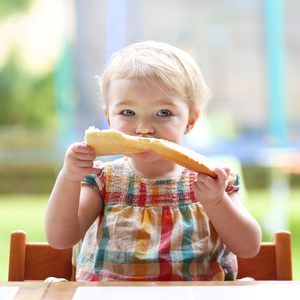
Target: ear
x,y
192,121
106,113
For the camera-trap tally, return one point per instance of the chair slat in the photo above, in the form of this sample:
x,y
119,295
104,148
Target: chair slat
x,y
17,256
42,261
255,267
37,261
282,239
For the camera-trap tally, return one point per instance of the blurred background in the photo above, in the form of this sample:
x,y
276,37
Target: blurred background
x,y
51,52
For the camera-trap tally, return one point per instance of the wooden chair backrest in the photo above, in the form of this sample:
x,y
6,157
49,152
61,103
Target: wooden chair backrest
x,y
38,261
273,262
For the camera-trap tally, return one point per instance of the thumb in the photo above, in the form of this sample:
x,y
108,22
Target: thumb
x,y
222,174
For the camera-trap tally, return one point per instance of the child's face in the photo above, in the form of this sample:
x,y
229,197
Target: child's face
x,y
138,110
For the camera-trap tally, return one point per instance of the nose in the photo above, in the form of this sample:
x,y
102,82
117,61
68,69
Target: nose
x,y
144,126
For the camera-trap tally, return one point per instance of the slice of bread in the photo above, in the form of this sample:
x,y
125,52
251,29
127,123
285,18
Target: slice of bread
x,y
112,142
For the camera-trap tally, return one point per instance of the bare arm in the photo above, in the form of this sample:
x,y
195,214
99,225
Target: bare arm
x,y
72,208
235,225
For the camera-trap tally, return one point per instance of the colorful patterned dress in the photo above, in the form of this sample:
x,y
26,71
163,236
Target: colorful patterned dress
x,y
151,230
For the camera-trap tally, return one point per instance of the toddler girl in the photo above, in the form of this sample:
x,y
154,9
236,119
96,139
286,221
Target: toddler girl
x,y
143,217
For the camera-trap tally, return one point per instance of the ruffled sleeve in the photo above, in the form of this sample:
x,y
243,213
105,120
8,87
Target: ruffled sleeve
x,y
96,181
233,183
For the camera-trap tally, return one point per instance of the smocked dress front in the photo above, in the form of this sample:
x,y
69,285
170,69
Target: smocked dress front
x,y
153,230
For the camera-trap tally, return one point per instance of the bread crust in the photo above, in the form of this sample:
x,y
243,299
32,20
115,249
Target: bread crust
x,y
112,142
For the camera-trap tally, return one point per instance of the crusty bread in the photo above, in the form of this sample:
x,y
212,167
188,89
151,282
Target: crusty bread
x,y
112,142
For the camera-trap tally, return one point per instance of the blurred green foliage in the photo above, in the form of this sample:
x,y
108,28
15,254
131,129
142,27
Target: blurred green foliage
x,y
25,100
10,6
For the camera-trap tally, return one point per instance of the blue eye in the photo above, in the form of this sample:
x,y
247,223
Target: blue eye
x,y
164,113
128,112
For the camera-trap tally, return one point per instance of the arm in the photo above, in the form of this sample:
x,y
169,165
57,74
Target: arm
x,y
235,225
72,208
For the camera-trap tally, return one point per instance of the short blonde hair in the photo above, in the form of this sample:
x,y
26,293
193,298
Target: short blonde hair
x,y
160,64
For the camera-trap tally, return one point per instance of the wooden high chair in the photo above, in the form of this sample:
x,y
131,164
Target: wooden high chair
x,y
273,261
38,261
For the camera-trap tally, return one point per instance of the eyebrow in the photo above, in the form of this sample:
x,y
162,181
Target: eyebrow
x,y
163,101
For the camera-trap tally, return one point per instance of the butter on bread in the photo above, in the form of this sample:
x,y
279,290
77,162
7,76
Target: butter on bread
x,y
113,142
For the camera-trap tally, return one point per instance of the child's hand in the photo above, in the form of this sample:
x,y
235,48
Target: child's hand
x,y
79,162
210,191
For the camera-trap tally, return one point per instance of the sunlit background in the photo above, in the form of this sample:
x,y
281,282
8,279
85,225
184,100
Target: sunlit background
x,y
51,52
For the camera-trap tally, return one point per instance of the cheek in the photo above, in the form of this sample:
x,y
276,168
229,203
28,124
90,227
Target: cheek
x,y
119,125
172,133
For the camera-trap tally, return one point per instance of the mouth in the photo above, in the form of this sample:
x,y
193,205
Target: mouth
x,y
147,136
144,154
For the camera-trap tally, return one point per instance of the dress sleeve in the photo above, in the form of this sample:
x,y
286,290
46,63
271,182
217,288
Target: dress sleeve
x,y
90,180
96,181
233,185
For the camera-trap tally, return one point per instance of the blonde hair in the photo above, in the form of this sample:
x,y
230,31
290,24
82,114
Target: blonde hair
x,y
160,64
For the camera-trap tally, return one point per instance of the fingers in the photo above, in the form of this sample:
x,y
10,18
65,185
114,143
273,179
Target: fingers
x,y
200,186
79,162
83,155
81,152
81,148
205,182
222,174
